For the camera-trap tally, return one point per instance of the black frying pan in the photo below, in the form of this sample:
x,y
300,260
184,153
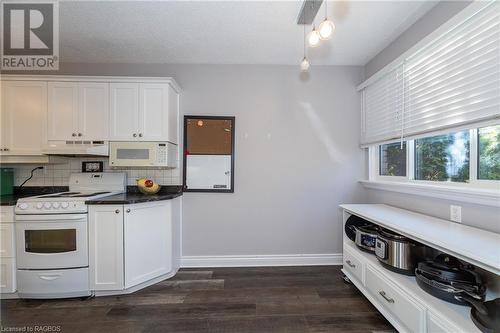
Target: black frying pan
x,y
485,315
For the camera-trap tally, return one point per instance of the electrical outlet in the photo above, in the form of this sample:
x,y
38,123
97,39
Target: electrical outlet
x,y
456,213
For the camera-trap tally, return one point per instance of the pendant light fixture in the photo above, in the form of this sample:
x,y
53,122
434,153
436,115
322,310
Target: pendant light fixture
x,y
313,37
304,65
326,28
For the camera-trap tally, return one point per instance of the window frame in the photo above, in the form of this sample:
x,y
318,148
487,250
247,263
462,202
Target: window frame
x,y
474,182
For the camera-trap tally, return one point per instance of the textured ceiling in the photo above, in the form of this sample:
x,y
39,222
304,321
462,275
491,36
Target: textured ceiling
x,y
226,32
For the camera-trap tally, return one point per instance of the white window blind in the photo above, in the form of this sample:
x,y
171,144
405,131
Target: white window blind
x,y
452,81
383,107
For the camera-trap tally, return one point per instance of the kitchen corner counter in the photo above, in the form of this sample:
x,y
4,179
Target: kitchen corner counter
x,y
133,196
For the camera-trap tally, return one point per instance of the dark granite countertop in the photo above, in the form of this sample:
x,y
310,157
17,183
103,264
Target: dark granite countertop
x,y
28,191
134,196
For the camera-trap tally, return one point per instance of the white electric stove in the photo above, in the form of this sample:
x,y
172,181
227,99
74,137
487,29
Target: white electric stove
x,y
52,237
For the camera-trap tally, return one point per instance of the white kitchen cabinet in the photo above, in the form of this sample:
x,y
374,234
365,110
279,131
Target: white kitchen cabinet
x,y
143,112
8,275
7,250
106,247
78,111
147,241
437,324
24,116
62,110
93,117
398,297
133,244
124,111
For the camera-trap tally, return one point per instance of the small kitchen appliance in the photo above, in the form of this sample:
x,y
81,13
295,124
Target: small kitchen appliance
x,y
6,181
52,237
447,278
398,253
362,233
143,154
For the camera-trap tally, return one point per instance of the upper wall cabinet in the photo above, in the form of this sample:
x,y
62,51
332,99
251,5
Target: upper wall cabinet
x,y
23,117
78,111
143,112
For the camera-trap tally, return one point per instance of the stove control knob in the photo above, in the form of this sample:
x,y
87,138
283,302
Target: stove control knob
x,y
64,205
55,205
46,205
39,205
23,206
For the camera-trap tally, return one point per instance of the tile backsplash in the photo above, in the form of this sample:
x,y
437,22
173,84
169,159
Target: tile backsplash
x,y
58,174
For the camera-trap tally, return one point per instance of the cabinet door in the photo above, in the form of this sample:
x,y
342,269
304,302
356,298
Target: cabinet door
x,y
153,112
63,111
147,241
8,275
124,111
93,117
24,115
7,240
106,247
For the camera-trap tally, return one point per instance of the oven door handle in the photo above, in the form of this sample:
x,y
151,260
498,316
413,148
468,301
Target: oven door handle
x,y
58,217
49,277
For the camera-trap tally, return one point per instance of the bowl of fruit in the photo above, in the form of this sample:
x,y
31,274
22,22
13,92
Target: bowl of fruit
x,y
147,186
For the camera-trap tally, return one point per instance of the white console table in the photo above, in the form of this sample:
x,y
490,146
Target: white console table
x,y
397,296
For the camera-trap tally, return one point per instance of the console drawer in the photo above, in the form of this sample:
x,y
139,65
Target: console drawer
x,y
409,313
352,264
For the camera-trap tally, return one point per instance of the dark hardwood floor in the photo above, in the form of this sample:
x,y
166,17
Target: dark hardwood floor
x,y
260,299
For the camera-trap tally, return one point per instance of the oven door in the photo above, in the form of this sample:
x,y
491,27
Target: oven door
x,y
51,241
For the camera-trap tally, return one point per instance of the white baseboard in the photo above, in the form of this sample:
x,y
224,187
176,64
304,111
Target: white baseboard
x,y
262,260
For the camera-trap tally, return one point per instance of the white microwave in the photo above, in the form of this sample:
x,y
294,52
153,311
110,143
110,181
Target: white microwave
x,y
143,154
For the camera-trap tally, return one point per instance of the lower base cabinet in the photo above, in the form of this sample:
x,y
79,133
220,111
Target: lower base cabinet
x,y
409,313
106,247
131,244
147,232
8,283
8,275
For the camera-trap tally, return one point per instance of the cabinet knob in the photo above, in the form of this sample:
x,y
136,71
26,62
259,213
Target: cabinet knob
x,y
134,135
117,211
74,134
140,135
79,134
128,210
6,149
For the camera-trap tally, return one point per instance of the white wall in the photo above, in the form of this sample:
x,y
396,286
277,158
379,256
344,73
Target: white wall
x,y
297,155
438,15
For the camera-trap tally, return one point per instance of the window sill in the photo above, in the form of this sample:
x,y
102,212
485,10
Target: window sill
x,y
487,197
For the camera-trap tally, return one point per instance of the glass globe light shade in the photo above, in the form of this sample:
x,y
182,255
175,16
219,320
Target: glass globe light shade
x,y
313,38
326,29
304,65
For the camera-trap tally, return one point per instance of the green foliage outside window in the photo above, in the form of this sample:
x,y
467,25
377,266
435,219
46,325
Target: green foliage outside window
x,y
489,153
443,158
393,159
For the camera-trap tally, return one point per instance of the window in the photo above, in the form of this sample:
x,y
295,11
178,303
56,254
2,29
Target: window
x,y
467,158
393,160
489,153
443,157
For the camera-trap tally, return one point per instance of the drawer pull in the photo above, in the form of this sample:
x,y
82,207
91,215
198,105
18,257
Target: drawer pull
x,y
50,277
350,264
384,295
